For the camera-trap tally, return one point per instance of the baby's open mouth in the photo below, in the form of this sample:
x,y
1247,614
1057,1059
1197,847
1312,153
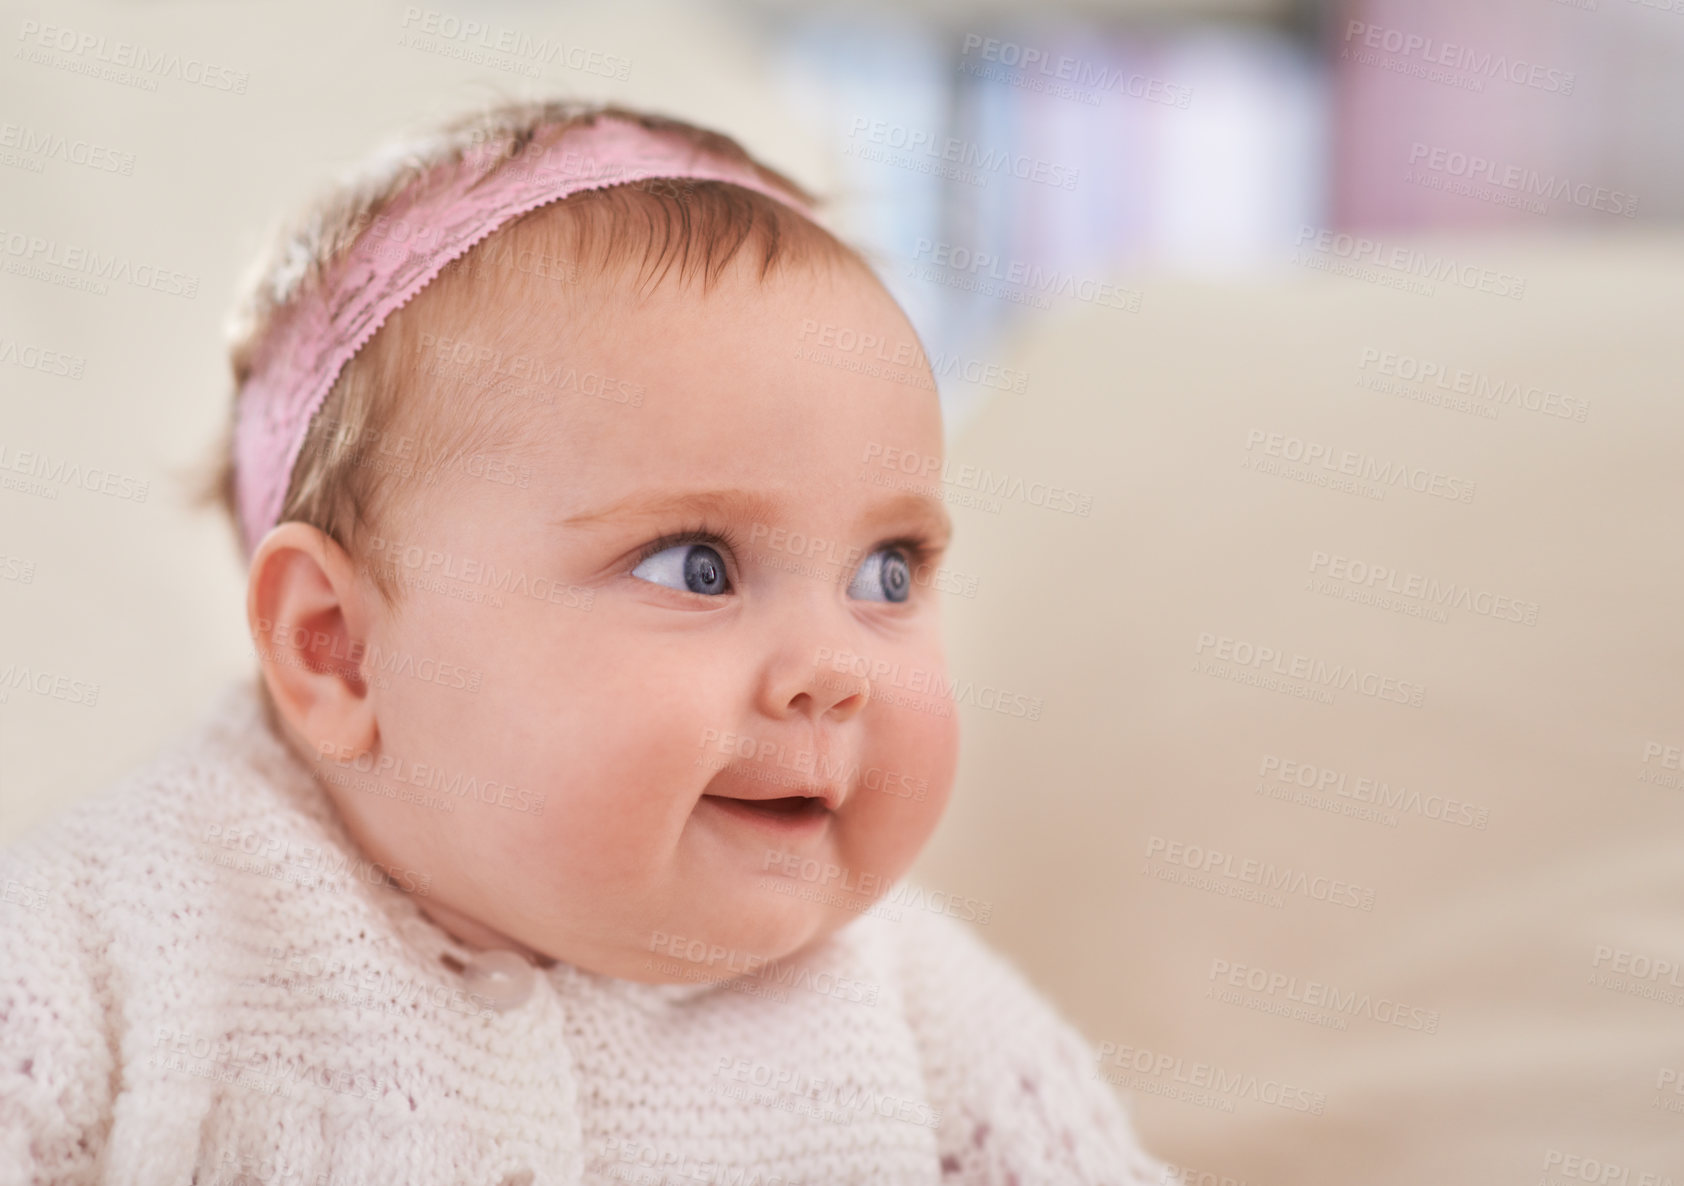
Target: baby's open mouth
x,y
741,798
789,811
789,803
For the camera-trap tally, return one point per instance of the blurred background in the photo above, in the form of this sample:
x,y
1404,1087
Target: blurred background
x,y
1351,325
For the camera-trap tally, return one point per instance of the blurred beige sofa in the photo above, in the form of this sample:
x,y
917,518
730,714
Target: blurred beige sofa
x,y
1351,831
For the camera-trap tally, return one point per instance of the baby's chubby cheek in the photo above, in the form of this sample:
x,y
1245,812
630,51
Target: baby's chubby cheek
x,y
565,720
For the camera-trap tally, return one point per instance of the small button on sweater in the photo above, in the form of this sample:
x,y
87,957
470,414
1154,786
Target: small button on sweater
x,y
203,982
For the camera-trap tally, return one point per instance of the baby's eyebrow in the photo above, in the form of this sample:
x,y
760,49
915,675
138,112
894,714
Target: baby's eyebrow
x,y
745,504
751,506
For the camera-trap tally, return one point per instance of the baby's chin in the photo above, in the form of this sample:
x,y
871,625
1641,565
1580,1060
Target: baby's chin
x,y
737,940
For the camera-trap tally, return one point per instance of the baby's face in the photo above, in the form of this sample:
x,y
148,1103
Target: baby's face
x,y
648,686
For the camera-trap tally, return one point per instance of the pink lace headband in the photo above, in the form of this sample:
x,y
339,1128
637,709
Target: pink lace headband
x,y
442,217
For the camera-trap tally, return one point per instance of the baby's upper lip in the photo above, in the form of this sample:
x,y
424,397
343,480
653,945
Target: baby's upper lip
x,y
731,784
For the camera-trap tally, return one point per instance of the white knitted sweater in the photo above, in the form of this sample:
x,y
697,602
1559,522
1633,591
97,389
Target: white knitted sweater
x,y
203,983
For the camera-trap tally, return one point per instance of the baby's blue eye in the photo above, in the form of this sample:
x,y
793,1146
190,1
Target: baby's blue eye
x,y
885,576
697,568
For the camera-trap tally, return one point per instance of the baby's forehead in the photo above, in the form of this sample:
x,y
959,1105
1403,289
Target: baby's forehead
x,y
523,348
518,311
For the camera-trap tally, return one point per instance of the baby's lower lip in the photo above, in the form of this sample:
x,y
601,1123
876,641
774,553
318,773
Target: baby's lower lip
x,y
784,816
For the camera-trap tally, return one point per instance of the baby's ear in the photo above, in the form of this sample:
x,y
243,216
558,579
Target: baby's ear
x,y
309,617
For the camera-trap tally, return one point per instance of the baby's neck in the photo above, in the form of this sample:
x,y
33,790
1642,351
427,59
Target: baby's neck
x,y
475,934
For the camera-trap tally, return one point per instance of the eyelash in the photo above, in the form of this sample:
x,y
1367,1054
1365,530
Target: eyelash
x,y
917,548
699,534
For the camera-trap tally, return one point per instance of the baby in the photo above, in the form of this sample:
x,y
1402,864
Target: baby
x,y
555,841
